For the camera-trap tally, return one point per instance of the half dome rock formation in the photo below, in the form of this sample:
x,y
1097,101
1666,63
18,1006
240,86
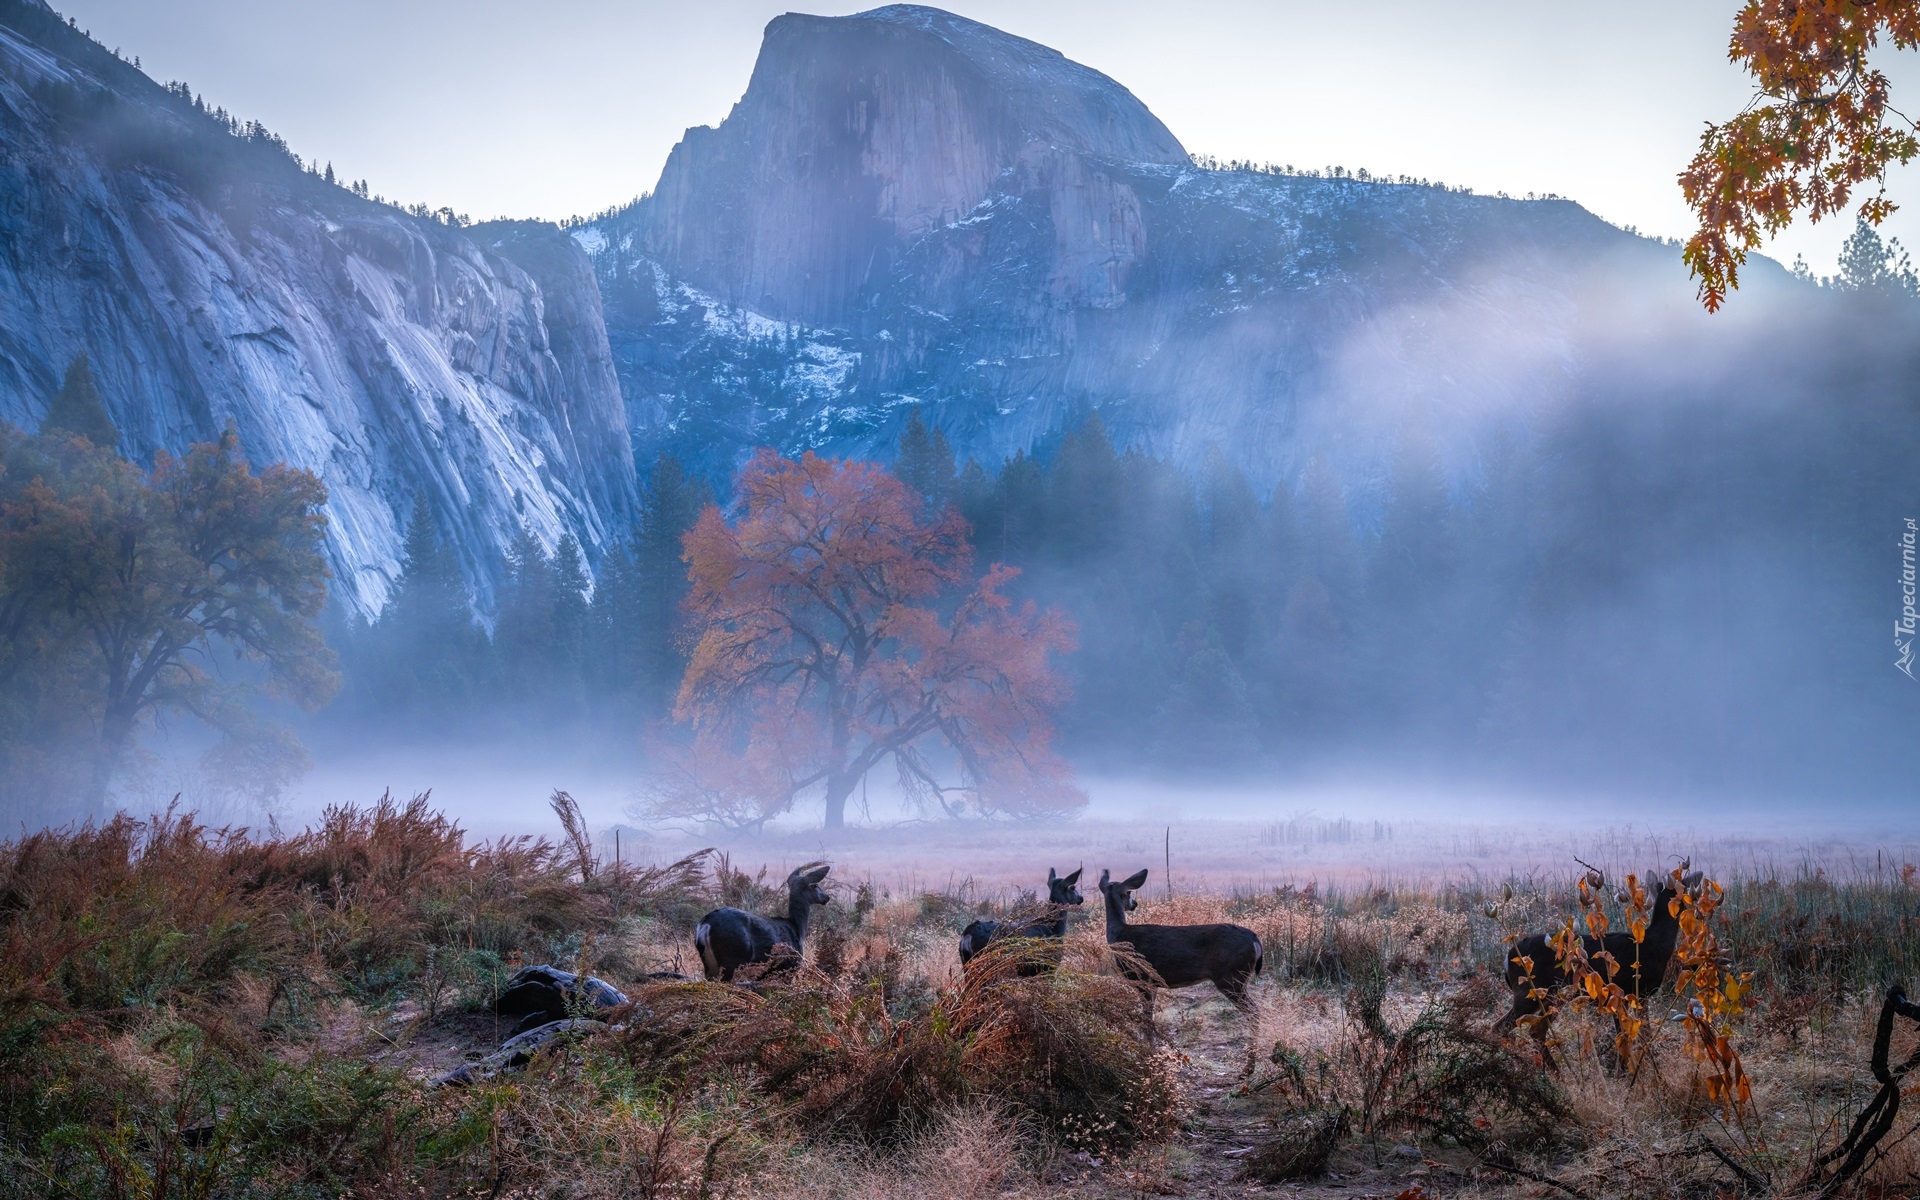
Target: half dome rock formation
x,y
860,135
211,279
910,209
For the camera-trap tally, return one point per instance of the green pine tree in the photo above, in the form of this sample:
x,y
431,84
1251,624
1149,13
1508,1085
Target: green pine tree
x,y
1868,264
523,635
926,461
77,408
1020,497
636,604
1234,567
1085,494
570,617
974,495
427,650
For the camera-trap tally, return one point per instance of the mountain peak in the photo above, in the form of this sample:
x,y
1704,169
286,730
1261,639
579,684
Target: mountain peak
x,y
1053,98
1042,80
859,135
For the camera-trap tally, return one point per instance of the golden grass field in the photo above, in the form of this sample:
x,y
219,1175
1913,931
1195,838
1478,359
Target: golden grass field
x,y
197,1014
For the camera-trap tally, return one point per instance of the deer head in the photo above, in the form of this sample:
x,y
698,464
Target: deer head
x,y
1064,889
1121,894
803,886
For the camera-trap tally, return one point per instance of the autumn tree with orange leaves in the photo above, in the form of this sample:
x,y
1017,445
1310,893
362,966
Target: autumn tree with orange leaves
x,y
840,628
1820,127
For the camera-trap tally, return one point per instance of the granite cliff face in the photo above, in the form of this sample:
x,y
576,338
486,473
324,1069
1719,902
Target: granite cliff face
x,y
860,136
212,280
905,209
910,208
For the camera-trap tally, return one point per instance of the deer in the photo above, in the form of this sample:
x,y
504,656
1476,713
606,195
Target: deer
x,y
1639,968
731,938
1228,956
1062,892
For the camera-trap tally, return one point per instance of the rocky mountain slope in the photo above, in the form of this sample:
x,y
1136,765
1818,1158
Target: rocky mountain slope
x,y
905,209
910,208
212,280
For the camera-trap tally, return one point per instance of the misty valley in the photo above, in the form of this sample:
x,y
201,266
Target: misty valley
x,y
953,647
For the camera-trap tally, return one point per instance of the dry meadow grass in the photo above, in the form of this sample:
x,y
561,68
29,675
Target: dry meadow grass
x,y
194,1013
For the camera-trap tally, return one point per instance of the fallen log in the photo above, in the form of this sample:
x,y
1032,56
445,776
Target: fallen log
x,y
519,1050
542,994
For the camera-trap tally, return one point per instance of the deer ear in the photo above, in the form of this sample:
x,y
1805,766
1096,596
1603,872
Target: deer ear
x,y
1072,879
1104,877
817,874
1050,875
1135,881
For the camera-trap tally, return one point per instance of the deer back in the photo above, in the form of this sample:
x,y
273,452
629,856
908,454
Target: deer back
x,y
1186,954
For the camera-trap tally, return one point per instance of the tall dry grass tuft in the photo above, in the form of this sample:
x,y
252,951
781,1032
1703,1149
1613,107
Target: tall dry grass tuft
x,y
1064,1050
974,1150
1437,1070
130,915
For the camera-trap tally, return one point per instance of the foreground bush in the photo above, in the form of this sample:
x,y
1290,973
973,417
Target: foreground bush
x,y
177,1002
1066,1049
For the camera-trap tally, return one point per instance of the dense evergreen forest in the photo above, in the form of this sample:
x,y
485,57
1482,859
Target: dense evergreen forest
x,y
1216,625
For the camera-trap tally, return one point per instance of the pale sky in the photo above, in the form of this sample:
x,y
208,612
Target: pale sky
x,y
569,106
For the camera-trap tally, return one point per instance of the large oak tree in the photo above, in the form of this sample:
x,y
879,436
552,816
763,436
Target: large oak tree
x,y
838,626
134,585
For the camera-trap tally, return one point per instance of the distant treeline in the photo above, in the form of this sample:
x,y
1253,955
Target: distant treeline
x,y
1626,592
562,647
136,122
1219,628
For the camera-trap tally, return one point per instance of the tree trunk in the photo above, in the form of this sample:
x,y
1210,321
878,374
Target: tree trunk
x,y
99,780
839,788
114,733
840,779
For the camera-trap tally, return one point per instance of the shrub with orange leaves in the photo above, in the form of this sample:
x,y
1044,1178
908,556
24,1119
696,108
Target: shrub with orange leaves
x,y
1601,986
1712,993
1714,996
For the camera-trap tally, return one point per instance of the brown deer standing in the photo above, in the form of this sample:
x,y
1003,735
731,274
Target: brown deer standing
x,y
731,938
1638,967
1227,956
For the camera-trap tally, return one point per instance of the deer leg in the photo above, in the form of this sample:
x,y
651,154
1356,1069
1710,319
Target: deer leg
x,y
1234,988
1610,1058
1540,1028
1523,1005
